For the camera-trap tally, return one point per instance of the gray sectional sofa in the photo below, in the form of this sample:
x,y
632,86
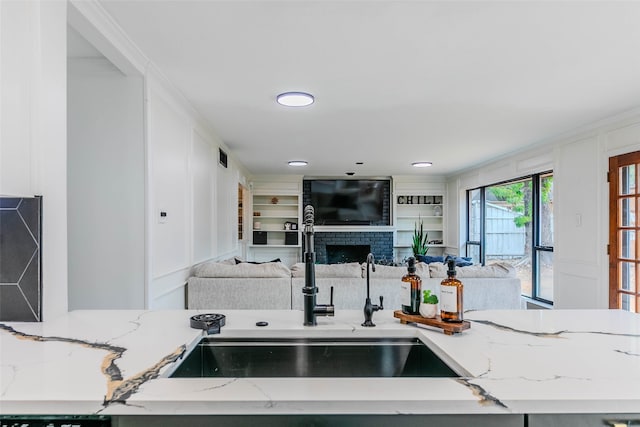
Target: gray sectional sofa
x,y
227,285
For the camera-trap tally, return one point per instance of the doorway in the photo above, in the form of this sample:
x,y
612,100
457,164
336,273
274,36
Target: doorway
x,y
624,229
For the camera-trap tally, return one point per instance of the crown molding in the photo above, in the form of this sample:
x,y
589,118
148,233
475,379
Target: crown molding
x,y
90,19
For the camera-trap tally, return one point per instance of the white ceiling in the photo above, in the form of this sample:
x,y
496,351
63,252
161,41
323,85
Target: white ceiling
x,y
453,82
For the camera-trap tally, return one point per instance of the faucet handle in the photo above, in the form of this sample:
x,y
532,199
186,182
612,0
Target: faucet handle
x,y
380,307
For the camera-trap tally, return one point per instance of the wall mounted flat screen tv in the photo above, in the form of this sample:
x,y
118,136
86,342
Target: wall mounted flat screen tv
x,y
348,202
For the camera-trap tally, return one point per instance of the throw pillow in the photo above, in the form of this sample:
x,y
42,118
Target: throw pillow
x,y
460,261
428,259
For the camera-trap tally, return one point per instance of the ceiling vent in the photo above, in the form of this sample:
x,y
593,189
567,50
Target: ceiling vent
x,y
222,157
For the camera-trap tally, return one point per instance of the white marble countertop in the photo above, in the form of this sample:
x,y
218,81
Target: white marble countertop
x,y
512,362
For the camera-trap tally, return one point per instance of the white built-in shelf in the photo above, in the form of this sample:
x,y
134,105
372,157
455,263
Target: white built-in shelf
x,y
408,215
272,219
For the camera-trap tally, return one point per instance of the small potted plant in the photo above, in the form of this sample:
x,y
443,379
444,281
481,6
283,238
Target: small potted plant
x,y
429,305
420,242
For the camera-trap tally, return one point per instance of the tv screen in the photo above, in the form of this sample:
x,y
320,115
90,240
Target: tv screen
x,y
348,202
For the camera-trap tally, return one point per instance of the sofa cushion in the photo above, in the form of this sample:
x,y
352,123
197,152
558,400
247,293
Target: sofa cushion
x,y
496,270
390,272
218,269
347,270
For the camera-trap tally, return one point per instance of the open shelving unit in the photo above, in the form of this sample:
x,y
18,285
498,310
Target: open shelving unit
x,y
275,204
271,212
410,209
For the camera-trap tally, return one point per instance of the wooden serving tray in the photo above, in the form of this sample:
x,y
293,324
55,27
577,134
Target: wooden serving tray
x,y
448,328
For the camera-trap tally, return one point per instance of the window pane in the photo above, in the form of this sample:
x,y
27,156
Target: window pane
x,y
474,215
627,211
508,234
545,275
628,302
546,210
627,179
627,244
627,272
473,251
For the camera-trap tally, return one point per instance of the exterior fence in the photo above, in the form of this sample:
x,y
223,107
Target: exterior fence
x,y
503,239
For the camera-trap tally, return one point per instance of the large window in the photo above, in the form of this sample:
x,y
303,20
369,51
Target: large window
x,y
513,222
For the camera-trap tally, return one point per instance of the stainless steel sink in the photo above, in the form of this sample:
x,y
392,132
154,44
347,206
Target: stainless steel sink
x,y
239,358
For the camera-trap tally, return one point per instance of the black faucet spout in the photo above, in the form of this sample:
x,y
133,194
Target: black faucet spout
x,y
369,308
311,309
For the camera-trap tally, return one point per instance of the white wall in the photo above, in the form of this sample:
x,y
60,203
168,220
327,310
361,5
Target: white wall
x,y
182,178
580,247
203,180
33,49
579,161
106,177
198,196
169,142
227,180
33,148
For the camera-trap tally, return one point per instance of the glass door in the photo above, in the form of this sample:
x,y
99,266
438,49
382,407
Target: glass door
x,y
624,256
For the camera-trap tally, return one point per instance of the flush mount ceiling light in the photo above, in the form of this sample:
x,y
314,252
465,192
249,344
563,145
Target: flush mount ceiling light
x,y
421,164
298,163
295,99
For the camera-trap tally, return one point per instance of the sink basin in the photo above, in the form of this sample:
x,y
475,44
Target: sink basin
x,y
239,358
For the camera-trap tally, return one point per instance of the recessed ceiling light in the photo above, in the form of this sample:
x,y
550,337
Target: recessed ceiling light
x,y
295,99
421,164
298,163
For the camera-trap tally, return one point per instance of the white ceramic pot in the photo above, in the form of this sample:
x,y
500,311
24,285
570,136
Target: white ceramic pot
x,y
428,310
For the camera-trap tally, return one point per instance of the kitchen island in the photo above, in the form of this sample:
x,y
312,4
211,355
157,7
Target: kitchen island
x,y
513,364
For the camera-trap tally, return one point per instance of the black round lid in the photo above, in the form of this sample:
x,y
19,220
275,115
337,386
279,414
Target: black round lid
x,y
412,265
452,267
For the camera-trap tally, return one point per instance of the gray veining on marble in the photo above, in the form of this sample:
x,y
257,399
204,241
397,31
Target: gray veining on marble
x,y
513,362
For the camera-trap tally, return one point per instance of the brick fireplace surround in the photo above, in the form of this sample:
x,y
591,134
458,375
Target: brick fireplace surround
x,y
380,243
